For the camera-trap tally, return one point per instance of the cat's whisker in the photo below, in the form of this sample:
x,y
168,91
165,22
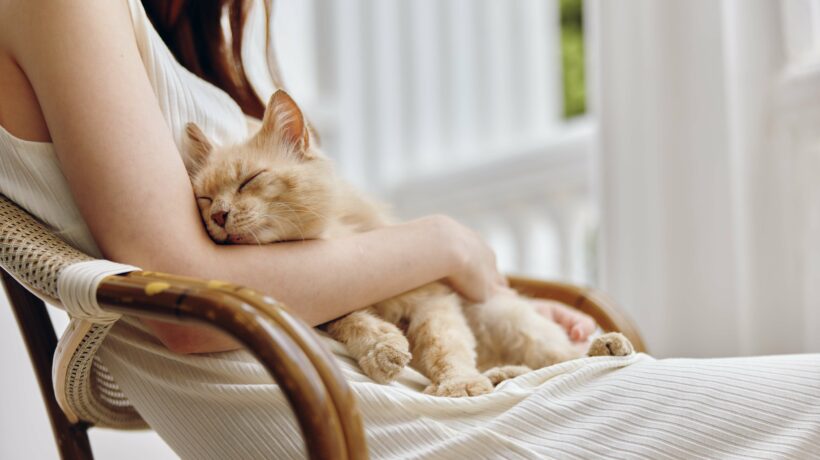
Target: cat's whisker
x,y
281,229
300,211
301,235
298,229
253,234
273,220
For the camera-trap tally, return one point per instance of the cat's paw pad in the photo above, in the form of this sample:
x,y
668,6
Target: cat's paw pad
x,y
461,387
611,344
501,373
386,360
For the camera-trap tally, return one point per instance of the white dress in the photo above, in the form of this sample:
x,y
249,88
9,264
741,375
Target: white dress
x,y
224,405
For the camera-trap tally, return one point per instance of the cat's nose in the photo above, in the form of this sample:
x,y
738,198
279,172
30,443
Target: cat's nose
x,y
219,217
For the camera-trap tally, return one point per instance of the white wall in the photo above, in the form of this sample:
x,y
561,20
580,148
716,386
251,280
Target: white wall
x,y
25,432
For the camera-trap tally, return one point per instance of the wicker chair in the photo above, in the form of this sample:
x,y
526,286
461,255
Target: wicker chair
x,y
78,390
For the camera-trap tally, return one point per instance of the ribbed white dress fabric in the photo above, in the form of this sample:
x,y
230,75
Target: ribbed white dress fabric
x,y
226,406
30,176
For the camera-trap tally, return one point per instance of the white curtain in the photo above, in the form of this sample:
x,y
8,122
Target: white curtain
x,y
709,172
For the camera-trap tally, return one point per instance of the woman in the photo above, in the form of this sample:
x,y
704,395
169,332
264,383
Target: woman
x,y
92,106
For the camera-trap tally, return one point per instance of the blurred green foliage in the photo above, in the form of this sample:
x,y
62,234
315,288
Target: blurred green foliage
x,y
572,57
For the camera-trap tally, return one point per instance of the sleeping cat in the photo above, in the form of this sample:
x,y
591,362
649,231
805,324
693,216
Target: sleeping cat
x,y
277,187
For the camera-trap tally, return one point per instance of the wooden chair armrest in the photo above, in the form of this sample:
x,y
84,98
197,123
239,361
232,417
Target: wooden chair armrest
x,y
588,300
320,397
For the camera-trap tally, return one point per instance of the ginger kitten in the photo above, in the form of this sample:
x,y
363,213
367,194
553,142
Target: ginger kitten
x,y
276,187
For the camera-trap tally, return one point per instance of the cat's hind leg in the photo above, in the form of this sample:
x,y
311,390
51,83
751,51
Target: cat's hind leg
x,y
380,348
444,348
509,330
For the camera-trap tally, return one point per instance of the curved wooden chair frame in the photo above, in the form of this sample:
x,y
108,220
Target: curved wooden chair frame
x,y
322,401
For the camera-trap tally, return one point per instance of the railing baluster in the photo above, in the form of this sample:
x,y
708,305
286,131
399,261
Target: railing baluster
x,y
351,116
427,76
541,247
540,65
464,72
497,63
387,124
498,235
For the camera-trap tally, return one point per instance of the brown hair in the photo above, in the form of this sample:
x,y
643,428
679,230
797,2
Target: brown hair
x,y
194,33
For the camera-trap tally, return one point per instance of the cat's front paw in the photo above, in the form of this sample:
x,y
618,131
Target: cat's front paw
x,y
501,373
460,387
386,360
610,344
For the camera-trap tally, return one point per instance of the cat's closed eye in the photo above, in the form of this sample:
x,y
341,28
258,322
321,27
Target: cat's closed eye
x,y
203,200
250,179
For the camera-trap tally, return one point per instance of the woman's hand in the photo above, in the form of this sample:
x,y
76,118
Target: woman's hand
x,y
474,271
578,325
476,277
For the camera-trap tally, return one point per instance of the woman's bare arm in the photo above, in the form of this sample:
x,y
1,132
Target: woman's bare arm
x,y
131,187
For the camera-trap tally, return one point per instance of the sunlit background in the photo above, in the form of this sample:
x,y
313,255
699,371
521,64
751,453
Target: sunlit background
x,y
667,152
472,109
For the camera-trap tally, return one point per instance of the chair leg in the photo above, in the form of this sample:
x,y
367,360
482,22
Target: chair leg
x,y
41,341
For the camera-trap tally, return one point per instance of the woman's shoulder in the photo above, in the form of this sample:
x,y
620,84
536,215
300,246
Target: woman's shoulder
x,y
33,29
51,37
27,23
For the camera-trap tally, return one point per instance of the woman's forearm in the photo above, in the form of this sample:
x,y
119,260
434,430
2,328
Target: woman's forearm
x,y
319,280
323,279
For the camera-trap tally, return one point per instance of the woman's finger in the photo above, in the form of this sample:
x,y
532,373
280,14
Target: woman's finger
x,y
577,333
563,315
578,325
584,327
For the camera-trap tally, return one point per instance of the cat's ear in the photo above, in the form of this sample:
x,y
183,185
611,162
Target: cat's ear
x,y
198,147
284,122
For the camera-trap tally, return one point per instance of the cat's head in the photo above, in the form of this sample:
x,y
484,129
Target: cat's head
x,y
274,187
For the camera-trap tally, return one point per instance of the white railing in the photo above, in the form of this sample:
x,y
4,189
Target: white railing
x,y
453,106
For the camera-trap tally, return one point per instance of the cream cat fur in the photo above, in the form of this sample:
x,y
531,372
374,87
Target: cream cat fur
x,y
276,187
